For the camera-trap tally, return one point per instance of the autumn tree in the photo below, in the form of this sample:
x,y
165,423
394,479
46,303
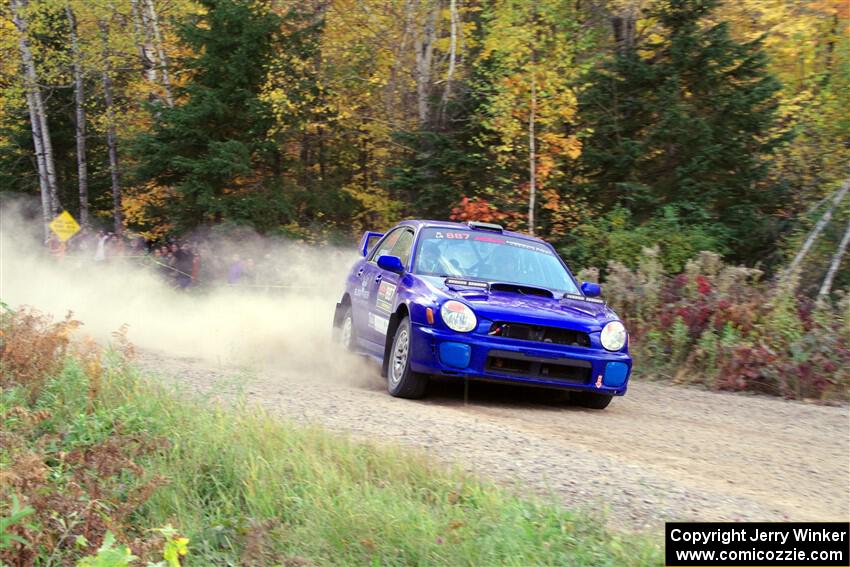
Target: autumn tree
x,y
808,49
440,163
526,74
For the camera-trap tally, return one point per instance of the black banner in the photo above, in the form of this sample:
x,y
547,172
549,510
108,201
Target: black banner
x,y
757,544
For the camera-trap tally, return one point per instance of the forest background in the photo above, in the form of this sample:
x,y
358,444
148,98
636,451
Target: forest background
x,y
693,125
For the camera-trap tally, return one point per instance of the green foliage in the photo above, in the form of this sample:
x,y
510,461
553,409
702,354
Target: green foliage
x,y
440,169
16,517
706,352
617,236
109,555
679,342
685,120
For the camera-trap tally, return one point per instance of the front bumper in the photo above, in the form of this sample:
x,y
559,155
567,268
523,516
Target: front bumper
x,y
472,355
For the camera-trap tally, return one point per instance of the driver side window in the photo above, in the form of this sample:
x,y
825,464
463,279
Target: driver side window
x,y
403,246
384,248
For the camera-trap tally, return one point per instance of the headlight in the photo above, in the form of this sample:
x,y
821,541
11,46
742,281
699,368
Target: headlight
x,y
613,336
458,317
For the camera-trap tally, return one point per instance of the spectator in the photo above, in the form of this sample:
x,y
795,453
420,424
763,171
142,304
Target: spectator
x,y
100,249
196,263
137,246
234,273
56,247
163,262
114,246
249,273
183,265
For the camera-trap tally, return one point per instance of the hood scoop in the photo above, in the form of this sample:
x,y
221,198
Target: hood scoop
x,y
521,289
577,297
458,283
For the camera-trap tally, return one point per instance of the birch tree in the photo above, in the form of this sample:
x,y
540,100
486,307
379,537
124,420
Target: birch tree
x,y
527,66
42,171
454,34
79,117
111,136
423,46
162,58
38,117
837,197
144,42
826,287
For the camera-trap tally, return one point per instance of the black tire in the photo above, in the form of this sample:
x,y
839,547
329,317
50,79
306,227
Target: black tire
x,y
402,381
346,334
591,400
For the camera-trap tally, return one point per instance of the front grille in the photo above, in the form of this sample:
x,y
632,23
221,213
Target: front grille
x,y
539,333
559,370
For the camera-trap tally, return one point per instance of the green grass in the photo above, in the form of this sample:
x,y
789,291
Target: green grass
x,y
249,488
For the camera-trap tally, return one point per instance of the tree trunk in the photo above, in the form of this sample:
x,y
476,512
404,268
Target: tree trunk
x,y
160,50
833,266
80,120
38,113
447,92
42,170
819,226
424,46
830,50
623,26
391,90
111,138
532,153
143,41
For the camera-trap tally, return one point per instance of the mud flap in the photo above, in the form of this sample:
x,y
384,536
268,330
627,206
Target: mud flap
x,y
388,344
339,311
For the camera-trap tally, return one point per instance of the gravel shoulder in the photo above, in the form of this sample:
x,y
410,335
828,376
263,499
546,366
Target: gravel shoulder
x,y
660,453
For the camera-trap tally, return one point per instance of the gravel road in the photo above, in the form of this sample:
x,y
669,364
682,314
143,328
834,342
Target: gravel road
x,y
660,453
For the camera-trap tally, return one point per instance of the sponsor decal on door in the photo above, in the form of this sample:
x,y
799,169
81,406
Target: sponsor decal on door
x,y
379,323
386,292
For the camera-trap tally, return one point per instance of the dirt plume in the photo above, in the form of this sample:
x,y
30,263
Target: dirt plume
x,y
286,324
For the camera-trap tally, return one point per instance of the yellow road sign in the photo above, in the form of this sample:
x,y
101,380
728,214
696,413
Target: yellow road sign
x,y
64,226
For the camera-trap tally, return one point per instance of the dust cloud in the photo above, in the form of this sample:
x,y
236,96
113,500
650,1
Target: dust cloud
x,y
286,328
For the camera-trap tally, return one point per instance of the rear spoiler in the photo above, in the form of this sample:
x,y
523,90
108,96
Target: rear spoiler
x,y
367,237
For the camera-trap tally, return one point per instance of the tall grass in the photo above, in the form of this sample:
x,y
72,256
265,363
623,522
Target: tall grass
x,y
243,484
119,452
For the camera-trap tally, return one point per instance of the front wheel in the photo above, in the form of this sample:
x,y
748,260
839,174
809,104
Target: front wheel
x,y
402,381
591,400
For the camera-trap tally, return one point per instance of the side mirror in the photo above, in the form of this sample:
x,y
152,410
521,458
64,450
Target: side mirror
x,y
367,240
590,289
391,264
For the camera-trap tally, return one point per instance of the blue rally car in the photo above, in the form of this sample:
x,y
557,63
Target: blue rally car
x,y
475,301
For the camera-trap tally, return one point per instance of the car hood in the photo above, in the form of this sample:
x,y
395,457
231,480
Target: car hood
x,y
532,309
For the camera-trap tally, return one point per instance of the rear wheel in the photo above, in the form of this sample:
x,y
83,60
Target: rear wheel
x,y
346,330
591,400
402,381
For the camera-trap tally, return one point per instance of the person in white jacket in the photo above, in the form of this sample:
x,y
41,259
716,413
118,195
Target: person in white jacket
x,y
100,251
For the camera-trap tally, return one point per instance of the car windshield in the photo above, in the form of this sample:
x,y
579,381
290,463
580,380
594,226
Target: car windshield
x,y
490,257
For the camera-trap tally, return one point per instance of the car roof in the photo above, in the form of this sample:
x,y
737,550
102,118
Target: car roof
x,y
426,223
